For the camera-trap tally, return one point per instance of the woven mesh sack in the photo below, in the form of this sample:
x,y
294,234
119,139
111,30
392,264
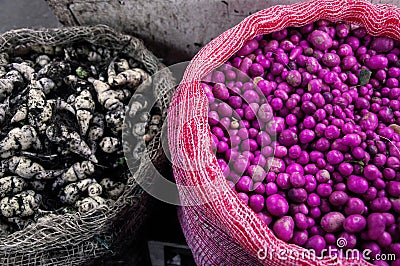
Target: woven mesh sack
x,y
80,238
225,231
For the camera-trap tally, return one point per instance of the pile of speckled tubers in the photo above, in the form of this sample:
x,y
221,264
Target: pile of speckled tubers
x,y
62,112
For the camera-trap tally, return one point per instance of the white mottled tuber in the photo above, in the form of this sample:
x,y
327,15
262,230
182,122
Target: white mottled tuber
x,y
47,85
61,105
24,167
20,205
71,192
6,87
19,139
137,103
122,64
39,110
109,144
4,59
4,108
20,114
84,106
78,171
95,189
96,131
72,141
115,119
90,203
132,77
139,129
11,185
111,188
109,98
42,60
111,73
26,71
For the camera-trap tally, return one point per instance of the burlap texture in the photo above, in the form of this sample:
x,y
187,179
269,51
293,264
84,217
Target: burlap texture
x,y
226,231
74,239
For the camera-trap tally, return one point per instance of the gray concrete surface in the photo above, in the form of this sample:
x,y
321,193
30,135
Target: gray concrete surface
x,y
16,14
174,30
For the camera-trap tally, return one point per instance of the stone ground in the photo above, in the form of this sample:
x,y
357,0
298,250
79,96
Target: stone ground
x,y
163,225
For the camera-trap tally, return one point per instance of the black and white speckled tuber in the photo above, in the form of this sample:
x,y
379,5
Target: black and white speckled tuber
x,y
20,205
62,114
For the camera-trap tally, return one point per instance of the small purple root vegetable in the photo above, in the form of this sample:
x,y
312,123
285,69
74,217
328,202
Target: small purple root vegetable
x,y
376,62
300,237
320,40
311,136
294,78
316,243
354,206
277,205
376,225
357,184
288,138
354,223
284,228
382,44
332,222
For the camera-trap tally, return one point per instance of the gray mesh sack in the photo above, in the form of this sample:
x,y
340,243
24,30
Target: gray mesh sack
x,y
79,238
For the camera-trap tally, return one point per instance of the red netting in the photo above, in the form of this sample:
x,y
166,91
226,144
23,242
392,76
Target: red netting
x,y
226,231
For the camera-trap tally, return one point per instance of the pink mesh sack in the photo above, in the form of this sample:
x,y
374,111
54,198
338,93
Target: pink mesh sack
x,y
223,230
